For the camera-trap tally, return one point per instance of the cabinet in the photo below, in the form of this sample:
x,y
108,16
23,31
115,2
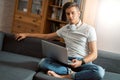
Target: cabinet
x,y
56,17
29,16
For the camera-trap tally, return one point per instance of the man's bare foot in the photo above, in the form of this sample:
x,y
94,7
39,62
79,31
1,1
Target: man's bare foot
x,y
52,73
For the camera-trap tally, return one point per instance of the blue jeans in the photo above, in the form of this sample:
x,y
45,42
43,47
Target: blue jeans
x,y
88,71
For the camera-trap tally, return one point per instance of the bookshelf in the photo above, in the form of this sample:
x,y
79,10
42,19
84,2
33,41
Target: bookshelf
x,y
56,17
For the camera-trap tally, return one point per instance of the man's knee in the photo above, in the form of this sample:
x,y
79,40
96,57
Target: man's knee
x,y
99,74
42,64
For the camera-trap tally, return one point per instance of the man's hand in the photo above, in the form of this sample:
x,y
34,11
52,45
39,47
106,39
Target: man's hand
x,y
20,36
76,63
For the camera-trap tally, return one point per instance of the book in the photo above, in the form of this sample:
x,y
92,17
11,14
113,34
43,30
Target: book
x,y
54,27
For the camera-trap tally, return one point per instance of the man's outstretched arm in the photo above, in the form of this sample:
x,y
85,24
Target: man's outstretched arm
x,y
21,36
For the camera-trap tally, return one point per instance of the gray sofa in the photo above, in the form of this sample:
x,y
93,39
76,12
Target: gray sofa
x,y
19,60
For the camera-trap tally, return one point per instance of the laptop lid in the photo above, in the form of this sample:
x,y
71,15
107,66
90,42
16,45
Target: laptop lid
x,y
54,51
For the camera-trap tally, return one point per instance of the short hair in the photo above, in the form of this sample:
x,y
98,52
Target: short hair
x,y
70,4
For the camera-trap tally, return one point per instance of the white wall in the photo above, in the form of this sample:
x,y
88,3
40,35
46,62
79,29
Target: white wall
x,y
108,25
6,15
90,10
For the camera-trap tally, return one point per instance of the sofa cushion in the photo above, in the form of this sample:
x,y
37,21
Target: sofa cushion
x,y
111,76
15,73
17,60
17,67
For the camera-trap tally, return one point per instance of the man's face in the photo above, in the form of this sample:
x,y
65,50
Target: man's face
x,y
72,15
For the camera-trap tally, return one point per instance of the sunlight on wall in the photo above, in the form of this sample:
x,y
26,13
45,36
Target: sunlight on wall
x,y
108,25
110,11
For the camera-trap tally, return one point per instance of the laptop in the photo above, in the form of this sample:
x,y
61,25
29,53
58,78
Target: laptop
x,y
54,51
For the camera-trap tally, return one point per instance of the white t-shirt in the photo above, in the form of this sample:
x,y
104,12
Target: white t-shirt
x,y
77,39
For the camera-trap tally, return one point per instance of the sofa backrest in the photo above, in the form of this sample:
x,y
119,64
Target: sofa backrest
x,y
27,46
1,40
108,60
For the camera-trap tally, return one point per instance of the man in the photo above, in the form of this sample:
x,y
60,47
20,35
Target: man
x,y
80,40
